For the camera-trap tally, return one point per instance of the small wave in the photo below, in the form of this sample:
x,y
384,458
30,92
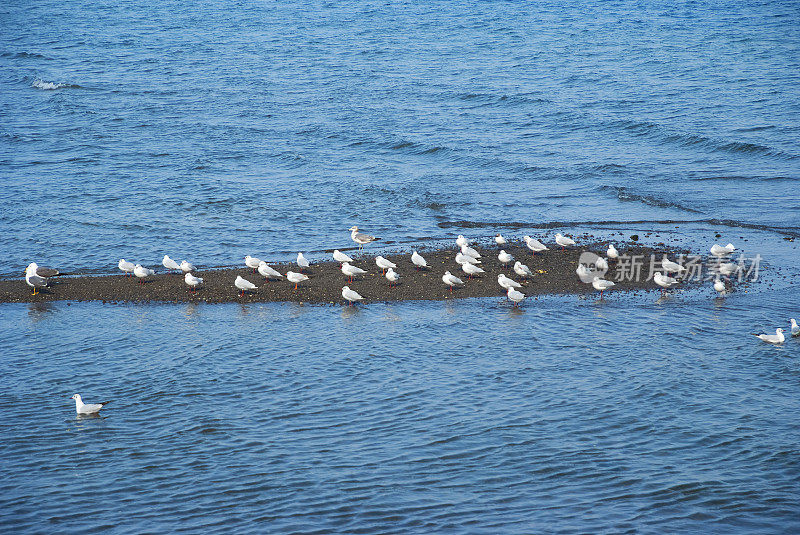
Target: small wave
x,y
50,86
626,196
22,55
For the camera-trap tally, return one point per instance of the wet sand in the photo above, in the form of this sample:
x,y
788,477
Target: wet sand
x,y
554,273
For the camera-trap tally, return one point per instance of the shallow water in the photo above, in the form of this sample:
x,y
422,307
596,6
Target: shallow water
x,y
211,131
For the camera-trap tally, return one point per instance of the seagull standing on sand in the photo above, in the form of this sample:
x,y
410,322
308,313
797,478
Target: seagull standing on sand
x,y
471,269
563,241
718,250
418,261
392,276
522,270
126,266
469,251
186,267
507,283
252,262
267,272
464,259
302,262
776,338
244,285
169,263
142,272
601,264
44,272
534,245
500,240
670,266
461,241
612,252
87,408
351,295
451,280
505,258
601,284
192,282
795,327
664,281
33,280
384,264
351,271
296,278
359,237
515,296
341,257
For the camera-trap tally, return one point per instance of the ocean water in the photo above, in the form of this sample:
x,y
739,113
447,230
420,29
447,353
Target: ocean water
x,y
214,130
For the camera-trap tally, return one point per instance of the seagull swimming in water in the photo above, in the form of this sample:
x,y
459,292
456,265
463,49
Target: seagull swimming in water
x,y
169,263
563,241
126,266
360,238
776,338
192,282
87,408
244,285
418,261
267,272
795,327
534,245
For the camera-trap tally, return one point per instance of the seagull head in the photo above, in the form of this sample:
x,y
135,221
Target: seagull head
x,y
353,228
76,397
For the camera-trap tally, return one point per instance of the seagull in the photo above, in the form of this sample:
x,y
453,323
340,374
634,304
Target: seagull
x,y
601,284
351,271
670,266
351,295
33,280
534,245
507,283
461,241
718,250
186,267
612,252
776,338
267,272
601,264
584,273
451,280
192,281
41,271
500,240
169,263
87,408
384,264
664,281
302,262
515,296
727,269
142,272
504,257
244,285
522,270
359,237
252,262
563,241
795,327
296,278
464,259
469,251
392,276
418,261
126,266
341,257
471,269
719,286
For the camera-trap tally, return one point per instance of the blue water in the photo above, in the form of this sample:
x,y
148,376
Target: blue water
x,y
212,130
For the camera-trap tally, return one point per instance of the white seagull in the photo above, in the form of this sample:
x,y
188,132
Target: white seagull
x,y
418,261
534,245
471,269
392,276
244,285
601,264
664,281
500,240
522,270
351,271
302,261
612,252
727,269
563,241
87,408
776,338
505,258
33,280
507,283
351,295
44,272
359,237
601,284
267,272
718,250
142,272
719,286
469,251
169,263
252,262
384,264
451,280
341,257
192,282
461,241
296,278
186,267
464,259
126,266
795,327
670,266
515,296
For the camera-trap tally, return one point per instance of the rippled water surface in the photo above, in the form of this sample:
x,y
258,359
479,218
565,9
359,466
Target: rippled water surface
x,y
212,130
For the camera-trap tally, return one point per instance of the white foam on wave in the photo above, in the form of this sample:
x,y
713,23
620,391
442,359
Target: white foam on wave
x,y
47,86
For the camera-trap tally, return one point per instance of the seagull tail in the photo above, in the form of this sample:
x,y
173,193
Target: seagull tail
x,y
103,404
